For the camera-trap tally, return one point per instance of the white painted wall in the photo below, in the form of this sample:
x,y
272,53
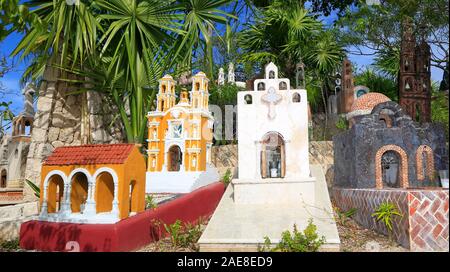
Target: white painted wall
x,y
291,121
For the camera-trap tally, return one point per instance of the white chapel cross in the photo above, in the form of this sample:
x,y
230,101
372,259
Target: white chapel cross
x,y
272,98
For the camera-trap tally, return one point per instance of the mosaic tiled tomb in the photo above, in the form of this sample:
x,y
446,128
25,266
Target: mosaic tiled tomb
x,y
424,224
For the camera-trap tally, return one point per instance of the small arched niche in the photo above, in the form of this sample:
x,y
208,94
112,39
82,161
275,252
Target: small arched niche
x,y
296,98
55,193
4,178
387,118
104,192
79,192
282,86
248,100
261,86
271,74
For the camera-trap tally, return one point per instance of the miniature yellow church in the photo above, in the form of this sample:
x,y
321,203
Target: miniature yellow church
x,y
180,139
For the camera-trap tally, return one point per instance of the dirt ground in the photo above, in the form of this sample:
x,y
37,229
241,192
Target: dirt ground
x,y
354,238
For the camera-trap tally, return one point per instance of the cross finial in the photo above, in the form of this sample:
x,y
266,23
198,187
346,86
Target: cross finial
x,y
272,98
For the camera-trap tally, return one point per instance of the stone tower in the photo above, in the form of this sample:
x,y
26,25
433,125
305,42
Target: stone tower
x,y
415,76
346,94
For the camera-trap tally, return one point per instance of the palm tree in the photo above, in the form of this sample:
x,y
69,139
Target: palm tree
x,y
118,46
288,34
201,17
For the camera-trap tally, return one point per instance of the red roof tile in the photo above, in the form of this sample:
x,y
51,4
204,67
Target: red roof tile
x,y
368,101
90,154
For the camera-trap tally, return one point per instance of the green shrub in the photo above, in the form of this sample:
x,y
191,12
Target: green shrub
x,y
308,241
342,123
226,179
184,235
10,245
150,202
385,213
343,217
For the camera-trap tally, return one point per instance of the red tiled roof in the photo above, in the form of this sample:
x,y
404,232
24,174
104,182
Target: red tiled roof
x,y
90,154
369,101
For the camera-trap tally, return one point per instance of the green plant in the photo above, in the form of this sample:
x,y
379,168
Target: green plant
x,y
385,213
10,245
184,235
150,202
34,187
344,216
308,241
226,179
342,123
174,231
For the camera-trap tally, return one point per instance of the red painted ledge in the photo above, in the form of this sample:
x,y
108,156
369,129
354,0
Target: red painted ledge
x,y
126,235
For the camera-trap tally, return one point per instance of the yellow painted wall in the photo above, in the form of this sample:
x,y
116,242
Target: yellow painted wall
x,y
133,169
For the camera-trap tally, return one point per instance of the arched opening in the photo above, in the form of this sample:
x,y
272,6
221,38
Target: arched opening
x,y
391,167
163,88
273,162
425,163
197,86
3,179
248,99
296,98
282,86
27,127
261,86
360,93
386,118
104,192
133,198
406,65
55,193
79,192
390,162
408,84
271,74
174,158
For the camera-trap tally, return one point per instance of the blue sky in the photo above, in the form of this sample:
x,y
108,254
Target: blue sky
x,y
11,80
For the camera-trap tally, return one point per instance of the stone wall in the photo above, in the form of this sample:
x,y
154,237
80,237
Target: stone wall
x,y
225,156
67,117
423,225
11,217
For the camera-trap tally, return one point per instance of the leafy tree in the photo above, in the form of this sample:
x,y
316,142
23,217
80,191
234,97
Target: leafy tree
x,y
439,108
377,82
376,30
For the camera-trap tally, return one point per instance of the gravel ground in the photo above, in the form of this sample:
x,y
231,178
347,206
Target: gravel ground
x,y
355,238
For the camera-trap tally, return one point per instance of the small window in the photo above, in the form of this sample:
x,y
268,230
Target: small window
x,y
261,86
197,86
271,74
296,98
282,86
248,99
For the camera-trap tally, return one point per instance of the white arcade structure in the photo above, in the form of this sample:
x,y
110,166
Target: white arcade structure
x,y
276,186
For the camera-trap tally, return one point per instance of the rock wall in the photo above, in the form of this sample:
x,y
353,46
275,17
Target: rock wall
x,y
320,152
11,217
67,117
